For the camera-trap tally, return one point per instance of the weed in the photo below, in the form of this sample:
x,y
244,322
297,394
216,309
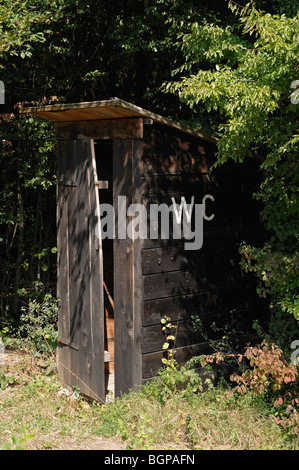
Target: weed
x,y
39,324
16,442
6,380
141,437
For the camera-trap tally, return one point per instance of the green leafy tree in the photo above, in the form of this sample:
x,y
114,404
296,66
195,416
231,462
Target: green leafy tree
x,y
25,147
251,69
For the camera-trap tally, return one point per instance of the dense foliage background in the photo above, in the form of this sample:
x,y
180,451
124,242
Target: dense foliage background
x,y
218,66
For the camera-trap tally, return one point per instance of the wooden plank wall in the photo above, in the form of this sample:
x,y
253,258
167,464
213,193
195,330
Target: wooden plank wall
x,y
208,282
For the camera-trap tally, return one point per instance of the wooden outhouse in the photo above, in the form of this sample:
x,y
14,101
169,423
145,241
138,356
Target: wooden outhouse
x,y
114,290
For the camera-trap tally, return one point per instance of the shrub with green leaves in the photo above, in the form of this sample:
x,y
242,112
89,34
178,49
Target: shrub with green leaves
x,y
278,275
271,375
39,323
246,74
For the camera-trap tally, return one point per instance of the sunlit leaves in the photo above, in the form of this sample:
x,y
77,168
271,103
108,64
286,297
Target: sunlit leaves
x,y
17,33
248,81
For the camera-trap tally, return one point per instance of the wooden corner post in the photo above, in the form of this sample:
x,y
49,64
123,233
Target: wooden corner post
x,y
127,266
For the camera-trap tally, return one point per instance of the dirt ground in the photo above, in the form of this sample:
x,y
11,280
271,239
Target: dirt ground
x,y
69,444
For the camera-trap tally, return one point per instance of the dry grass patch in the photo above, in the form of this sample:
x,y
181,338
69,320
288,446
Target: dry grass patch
x,y
210,421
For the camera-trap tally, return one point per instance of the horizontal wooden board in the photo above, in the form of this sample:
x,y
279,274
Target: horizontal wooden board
x,y
188,332
174,141
231,183
190,281
174,183
222,206
103,129
171,164
151,362
153,337
176,258
230,235
222,203
225,301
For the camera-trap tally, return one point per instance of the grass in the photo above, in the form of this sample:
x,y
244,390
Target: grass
x,y
159,416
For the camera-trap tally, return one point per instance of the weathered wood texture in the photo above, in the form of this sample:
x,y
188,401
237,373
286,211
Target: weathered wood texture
x,y
127,270
81,317
101,129
207,283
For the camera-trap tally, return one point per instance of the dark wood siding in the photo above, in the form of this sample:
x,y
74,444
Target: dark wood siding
x,y
208,282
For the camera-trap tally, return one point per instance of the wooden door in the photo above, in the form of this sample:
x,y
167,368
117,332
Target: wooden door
x,y
80,353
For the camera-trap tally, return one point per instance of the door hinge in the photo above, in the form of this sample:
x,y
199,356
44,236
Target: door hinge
x,y
102,184
68,343
67,183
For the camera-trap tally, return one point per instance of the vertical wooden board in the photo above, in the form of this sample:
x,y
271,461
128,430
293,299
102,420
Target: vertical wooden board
x,y
126,283
160,140
66,172
83,307
137,269
73,256
123,318
62,268
97,321
90,327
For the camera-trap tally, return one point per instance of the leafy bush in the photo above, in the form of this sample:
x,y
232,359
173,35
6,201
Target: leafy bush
x,y
39,323
175,379
272,376
278,275
283,329
172,378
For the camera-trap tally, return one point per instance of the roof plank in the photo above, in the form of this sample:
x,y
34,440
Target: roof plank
x,y
113,108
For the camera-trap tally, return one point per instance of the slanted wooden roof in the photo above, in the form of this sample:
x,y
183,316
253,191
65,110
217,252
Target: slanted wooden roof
x,y
113,108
